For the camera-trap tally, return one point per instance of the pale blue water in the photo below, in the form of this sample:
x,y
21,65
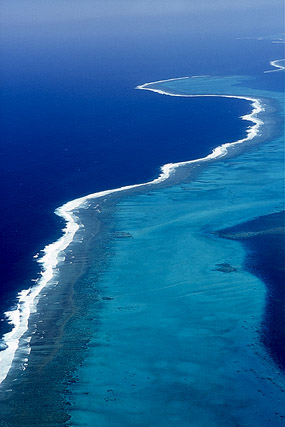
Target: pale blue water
x,y
177,342
73,124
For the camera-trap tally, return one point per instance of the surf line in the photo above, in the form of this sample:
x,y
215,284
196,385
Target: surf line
x,y
53,253
277,65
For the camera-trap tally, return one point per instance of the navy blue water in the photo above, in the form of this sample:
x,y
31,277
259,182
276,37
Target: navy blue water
x,y
72,123
264,237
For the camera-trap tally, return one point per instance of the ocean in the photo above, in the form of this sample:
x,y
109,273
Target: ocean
x,y
72,124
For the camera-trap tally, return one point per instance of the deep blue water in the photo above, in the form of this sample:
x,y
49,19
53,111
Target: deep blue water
x,y
72,123
265,258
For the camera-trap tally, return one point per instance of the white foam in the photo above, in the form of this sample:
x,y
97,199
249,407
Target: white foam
x,y
277,65
52,254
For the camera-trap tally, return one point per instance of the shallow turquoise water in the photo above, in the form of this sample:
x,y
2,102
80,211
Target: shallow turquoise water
x,y
178,340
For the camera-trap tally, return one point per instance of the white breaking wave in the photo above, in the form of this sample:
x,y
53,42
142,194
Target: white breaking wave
x,y
27,299
278,63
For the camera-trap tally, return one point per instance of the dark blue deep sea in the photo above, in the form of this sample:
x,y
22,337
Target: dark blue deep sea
x,y
72,122
159,320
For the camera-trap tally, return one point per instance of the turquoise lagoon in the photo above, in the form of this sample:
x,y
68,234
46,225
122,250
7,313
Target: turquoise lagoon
x,y
177,341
